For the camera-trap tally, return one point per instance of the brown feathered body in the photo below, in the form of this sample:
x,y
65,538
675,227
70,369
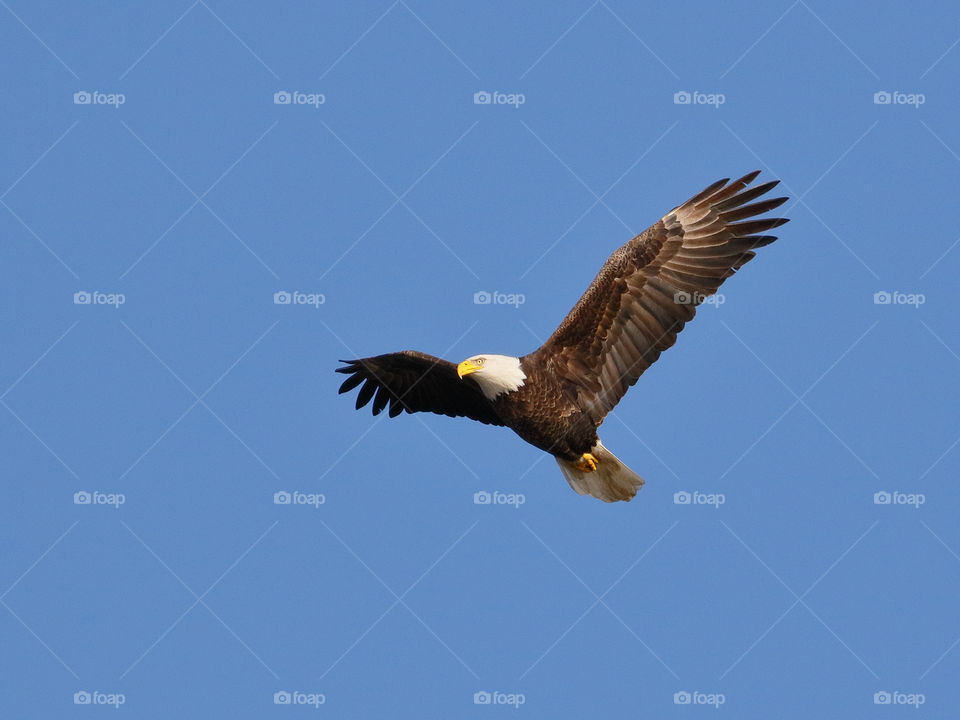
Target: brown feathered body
x,y
544,412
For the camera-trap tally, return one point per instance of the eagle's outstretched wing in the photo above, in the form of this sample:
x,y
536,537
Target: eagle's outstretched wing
x,y
416,382
651,286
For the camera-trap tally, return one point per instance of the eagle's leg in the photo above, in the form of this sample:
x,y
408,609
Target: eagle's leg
x,y
586,463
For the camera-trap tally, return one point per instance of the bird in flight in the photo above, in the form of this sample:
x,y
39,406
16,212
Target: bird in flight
x,y
556,397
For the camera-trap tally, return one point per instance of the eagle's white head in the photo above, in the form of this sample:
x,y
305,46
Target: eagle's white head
x,y
496,374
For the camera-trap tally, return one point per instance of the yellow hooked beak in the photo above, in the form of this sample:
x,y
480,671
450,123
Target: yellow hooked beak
x,y
466,367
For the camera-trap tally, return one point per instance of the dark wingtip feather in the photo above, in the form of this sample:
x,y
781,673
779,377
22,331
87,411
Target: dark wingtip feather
x,y
770,204
749,177
731,190
757,208
745,196
366,392
350,383
752,227
349,366
707,191
759,241
381,400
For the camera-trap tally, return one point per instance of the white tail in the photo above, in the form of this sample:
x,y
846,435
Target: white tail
x,y
611,481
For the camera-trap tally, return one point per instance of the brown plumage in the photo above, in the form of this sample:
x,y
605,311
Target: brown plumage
x,y
557,396
416,382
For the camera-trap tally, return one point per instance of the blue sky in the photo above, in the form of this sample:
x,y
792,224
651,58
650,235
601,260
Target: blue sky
x,y
150,167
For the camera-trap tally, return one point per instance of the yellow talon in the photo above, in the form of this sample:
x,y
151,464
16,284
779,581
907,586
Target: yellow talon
x,y
586,463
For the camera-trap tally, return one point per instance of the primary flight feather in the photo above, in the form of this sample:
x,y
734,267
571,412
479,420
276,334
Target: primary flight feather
x,y
556,397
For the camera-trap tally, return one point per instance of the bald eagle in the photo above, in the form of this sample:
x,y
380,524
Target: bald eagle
x,y
556,397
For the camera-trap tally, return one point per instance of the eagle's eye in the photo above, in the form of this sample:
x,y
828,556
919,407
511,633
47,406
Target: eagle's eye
x,y
480,361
